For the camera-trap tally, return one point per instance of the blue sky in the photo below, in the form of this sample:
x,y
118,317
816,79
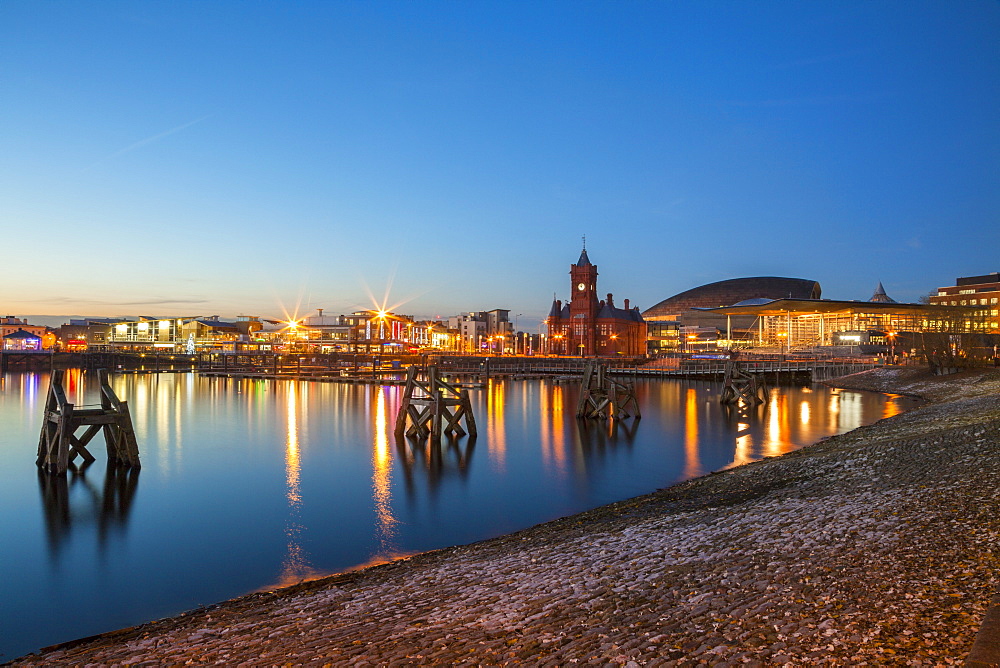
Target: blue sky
x,y
257,157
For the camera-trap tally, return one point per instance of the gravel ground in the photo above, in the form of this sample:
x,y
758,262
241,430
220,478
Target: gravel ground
x,y
876,547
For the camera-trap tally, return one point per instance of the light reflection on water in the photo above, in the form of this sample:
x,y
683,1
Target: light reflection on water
x,y
249,483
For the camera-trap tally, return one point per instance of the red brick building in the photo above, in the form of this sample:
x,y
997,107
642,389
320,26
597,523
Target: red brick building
x,y
981,292
590,327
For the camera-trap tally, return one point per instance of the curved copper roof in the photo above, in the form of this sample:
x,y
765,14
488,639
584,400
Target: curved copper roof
x,y
733,290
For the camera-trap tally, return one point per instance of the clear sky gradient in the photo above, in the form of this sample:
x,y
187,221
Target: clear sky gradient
x,y
194,158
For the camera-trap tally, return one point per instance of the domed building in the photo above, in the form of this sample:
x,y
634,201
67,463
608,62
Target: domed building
x,y
681,321
731,291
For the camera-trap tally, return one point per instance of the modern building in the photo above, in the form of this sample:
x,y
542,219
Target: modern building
x,y
588,327
365,330
81,334
981,292
687,320
483,331
795,324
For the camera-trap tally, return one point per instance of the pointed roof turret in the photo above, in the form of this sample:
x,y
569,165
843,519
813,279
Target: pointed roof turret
x,y
880,295
584,261
556,310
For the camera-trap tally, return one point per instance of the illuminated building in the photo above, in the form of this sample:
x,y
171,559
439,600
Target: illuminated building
x,y
981,292
483,330
9,324
587,326
685,320
22,341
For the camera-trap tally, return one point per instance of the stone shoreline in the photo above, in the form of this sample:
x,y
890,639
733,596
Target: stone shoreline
x,y
876,547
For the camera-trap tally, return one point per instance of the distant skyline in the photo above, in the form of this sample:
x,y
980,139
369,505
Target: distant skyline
x,y
272,158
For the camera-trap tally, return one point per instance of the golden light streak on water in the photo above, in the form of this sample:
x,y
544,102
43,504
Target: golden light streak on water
x,y
551,429
295,567
833,411
293,464
495,425
804,409
385,529
891,406
778,431
692,463
559,425
741,455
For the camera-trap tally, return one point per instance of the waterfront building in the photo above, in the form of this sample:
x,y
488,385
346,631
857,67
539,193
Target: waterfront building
x,y
807,324
145,333
586,326
171,334
483,331
22,341
81,334
981,292
682,321
10,324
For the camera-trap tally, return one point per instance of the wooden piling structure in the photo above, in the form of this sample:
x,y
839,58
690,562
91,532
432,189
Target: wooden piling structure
x,y
433,408
738,385
603,397
58,444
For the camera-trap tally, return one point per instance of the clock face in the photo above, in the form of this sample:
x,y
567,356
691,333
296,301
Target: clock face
x,y
581,286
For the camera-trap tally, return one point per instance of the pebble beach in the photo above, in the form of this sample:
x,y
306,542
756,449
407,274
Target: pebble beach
x,y
872,548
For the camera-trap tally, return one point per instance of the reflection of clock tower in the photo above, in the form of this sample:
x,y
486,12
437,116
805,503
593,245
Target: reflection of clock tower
x,y
583,306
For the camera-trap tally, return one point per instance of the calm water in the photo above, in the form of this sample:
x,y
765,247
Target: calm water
x,y
251,484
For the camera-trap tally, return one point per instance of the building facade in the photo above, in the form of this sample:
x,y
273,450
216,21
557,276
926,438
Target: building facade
x,y
587,326
483,331
979,292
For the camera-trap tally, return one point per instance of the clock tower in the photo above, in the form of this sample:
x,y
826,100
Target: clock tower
x,y
583,306
592,327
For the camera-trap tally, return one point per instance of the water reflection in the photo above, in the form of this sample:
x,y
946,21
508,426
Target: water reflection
x,y
692,462
108,507
552,428
301,478
495,414
385,528
296,566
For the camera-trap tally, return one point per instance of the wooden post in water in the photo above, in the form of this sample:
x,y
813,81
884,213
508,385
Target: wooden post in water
x,y
58,445
740,385
603,397
434,408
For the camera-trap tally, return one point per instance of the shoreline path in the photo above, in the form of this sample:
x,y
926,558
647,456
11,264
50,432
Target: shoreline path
x,y
875,547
